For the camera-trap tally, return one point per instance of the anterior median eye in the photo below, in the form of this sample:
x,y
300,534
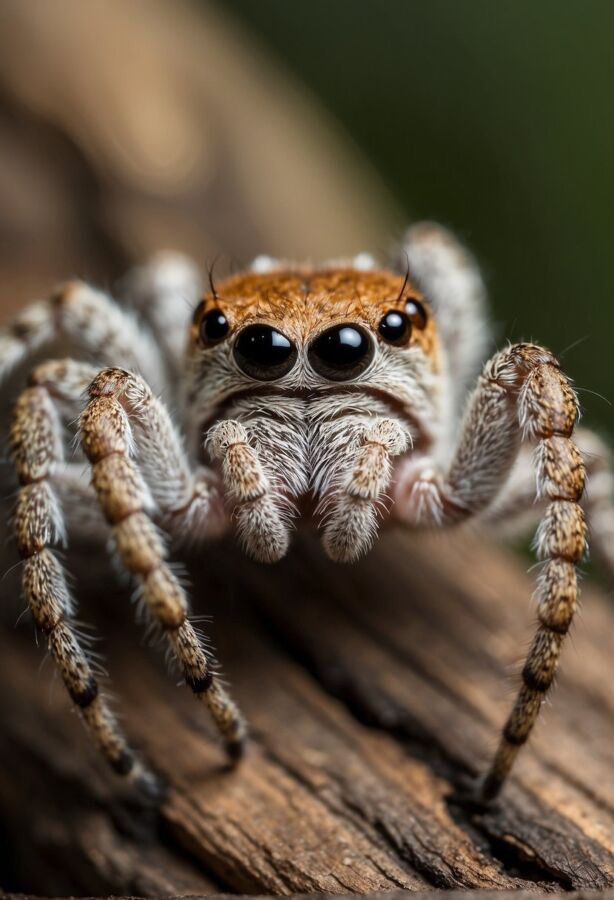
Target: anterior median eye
x,y
264,353
395,328
213,327
341,352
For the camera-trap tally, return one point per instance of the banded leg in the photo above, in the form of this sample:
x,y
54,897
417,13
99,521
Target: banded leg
x,y
36,445
517,509
90,321
109,443
521,391
349,504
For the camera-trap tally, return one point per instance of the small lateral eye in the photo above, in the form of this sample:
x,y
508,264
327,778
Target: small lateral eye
x,y
213,327
395,328
417,314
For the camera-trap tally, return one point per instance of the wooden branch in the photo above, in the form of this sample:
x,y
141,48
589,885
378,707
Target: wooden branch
x,y
374,693
387,895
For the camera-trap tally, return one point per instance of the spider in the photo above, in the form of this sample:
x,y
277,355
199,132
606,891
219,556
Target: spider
x,y
340,394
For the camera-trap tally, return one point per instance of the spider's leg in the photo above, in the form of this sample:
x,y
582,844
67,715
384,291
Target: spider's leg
x,y
451,280
352,473
37,450
81,511
90,321
521,391
517,508
110,441
166,291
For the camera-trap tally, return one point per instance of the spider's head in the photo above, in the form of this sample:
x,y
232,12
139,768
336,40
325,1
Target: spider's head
x,y
320,352
299,328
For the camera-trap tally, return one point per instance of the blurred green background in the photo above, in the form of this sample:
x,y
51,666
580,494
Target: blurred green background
x,y
495,119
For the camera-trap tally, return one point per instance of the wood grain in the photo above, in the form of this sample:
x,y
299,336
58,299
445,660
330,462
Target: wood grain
x,y
374,695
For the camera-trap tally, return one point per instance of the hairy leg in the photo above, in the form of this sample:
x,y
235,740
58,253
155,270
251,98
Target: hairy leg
x,y
121,419
518,508
166,292
187,501
37,450
520,392
90,322
351,441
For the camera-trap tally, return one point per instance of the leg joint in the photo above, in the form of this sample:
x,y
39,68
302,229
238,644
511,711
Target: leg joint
x,y
535,682
200,684
123,763
84,696
516,739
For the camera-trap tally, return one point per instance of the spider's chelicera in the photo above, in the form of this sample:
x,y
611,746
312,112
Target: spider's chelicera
x,y
348,384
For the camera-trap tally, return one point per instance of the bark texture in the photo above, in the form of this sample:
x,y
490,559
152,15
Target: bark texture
x,y
374,694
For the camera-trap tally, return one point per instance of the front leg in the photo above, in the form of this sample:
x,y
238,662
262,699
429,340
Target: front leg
x,y
521,392
37,448
122,420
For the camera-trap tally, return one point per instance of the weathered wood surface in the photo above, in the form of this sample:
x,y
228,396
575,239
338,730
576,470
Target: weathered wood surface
x,y
390,895
374,693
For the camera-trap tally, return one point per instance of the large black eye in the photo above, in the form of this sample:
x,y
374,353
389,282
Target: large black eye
x,y
417,313
341,352
213,327
395,328
264,353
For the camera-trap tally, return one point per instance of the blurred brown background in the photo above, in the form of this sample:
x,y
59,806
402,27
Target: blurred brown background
x,y
126,127
495,118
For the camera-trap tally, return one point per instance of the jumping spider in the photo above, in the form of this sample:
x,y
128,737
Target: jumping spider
x,y
341,393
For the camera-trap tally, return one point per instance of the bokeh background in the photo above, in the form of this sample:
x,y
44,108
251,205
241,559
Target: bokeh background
x,y
497,119
315,128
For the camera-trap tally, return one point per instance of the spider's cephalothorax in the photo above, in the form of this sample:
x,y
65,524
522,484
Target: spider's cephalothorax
x,y
337,395
308,383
